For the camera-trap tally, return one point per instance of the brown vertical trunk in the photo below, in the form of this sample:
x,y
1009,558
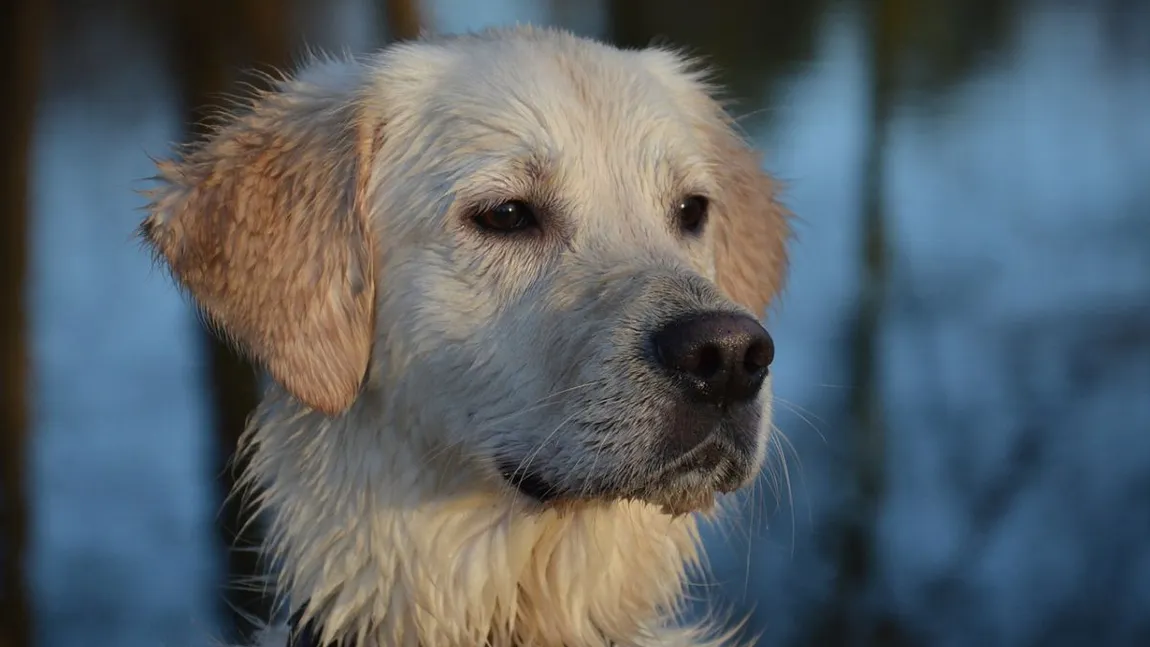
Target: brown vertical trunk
x,y
21,23
214,41
404,19
626,23
853,621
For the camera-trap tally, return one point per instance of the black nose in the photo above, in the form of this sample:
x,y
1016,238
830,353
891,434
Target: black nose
x,y
722,358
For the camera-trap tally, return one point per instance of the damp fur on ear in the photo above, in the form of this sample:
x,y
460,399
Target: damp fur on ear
x,y
751,226
264,223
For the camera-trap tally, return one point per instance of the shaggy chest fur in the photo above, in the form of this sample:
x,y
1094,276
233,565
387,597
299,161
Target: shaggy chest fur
x,y
387,554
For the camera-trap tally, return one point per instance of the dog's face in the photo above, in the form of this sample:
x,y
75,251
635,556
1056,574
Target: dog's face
x,y
542,252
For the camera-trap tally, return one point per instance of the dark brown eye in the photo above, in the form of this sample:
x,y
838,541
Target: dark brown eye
x,y
507,217
693,213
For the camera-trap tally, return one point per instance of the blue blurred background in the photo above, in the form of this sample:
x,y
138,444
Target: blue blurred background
x,y
963,347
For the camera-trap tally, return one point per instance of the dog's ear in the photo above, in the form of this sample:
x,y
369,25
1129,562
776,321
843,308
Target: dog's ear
x,y
751,226
265,224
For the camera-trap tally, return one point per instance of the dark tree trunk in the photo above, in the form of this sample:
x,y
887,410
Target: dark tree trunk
x,y
21,23
215,41
852,621
404,19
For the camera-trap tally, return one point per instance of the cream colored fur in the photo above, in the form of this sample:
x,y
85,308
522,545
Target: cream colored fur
x,y
424,560
326,231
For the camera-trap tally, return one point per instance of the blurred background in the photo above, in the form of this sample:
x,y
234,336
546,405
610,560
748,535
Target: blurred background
x,y
963,370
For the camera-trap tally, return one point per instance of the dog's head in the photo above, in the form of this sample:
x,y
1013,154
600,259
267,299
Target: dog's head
x,y
544,253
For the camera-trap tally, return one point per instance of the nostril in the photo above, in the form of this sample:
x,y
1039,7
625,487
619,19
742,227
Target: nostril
x,y
759,355
709,362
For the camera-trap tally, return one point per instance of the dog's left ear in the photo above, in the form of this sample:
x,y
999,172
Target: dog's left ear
x,y
265,224
751,227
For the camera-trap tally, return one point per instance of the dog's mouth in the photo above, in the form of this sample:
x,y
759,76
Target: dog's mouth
x,y
686,484
710,460
529,483
691,483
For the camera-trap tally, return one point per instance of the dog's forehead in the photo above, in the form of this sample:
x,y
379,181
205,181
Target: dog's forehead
x,y
581,108
583,75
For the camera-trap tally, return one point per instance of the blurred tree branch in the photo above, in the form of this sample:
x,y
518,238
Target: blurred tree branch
x,y
851,620
404,19
927,45
750,43
214,41
21,31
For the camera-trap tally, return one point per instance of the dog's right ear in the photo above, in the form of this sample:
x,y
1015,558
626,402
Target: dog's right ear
x,y
265,224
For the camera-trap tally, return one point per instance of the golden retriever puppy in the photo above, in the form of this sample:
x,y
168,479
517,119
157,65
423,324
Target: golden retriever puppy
x,y
507,286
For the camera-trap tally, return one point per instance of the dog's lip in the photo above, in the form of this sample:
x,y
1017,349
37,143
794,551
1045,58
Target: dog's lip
x,y
715,461
527,482
704,457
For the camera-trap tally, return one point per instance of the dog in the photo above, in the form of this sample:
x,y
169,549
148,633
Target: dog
x,y
507,286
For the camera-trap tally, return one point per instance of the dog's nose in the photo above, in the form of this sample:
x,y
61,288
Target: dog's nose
x,y
721,357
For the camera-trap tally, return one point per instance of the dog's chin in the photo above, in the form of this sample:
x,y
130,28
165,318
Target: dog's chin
x,y
692,483
687,485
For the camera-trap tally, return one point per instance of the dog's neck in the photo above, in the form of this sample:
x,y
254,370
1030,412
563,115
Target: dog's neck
x,y
386,550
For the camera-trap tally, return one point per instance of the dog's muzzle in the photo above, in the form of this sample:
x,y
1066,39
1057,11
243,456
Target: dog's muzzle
x,y
707,370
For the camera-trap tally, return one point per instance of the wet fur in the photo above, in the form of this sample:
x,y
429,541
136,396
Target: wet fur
x,y
324,231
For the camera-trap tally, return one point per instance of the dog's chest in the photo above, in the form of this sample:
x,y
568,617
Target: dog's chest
x,y
307,635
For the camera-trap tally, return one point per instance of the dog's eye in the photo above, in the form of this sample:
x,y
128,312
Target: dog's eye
x,y
693,213
507,217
